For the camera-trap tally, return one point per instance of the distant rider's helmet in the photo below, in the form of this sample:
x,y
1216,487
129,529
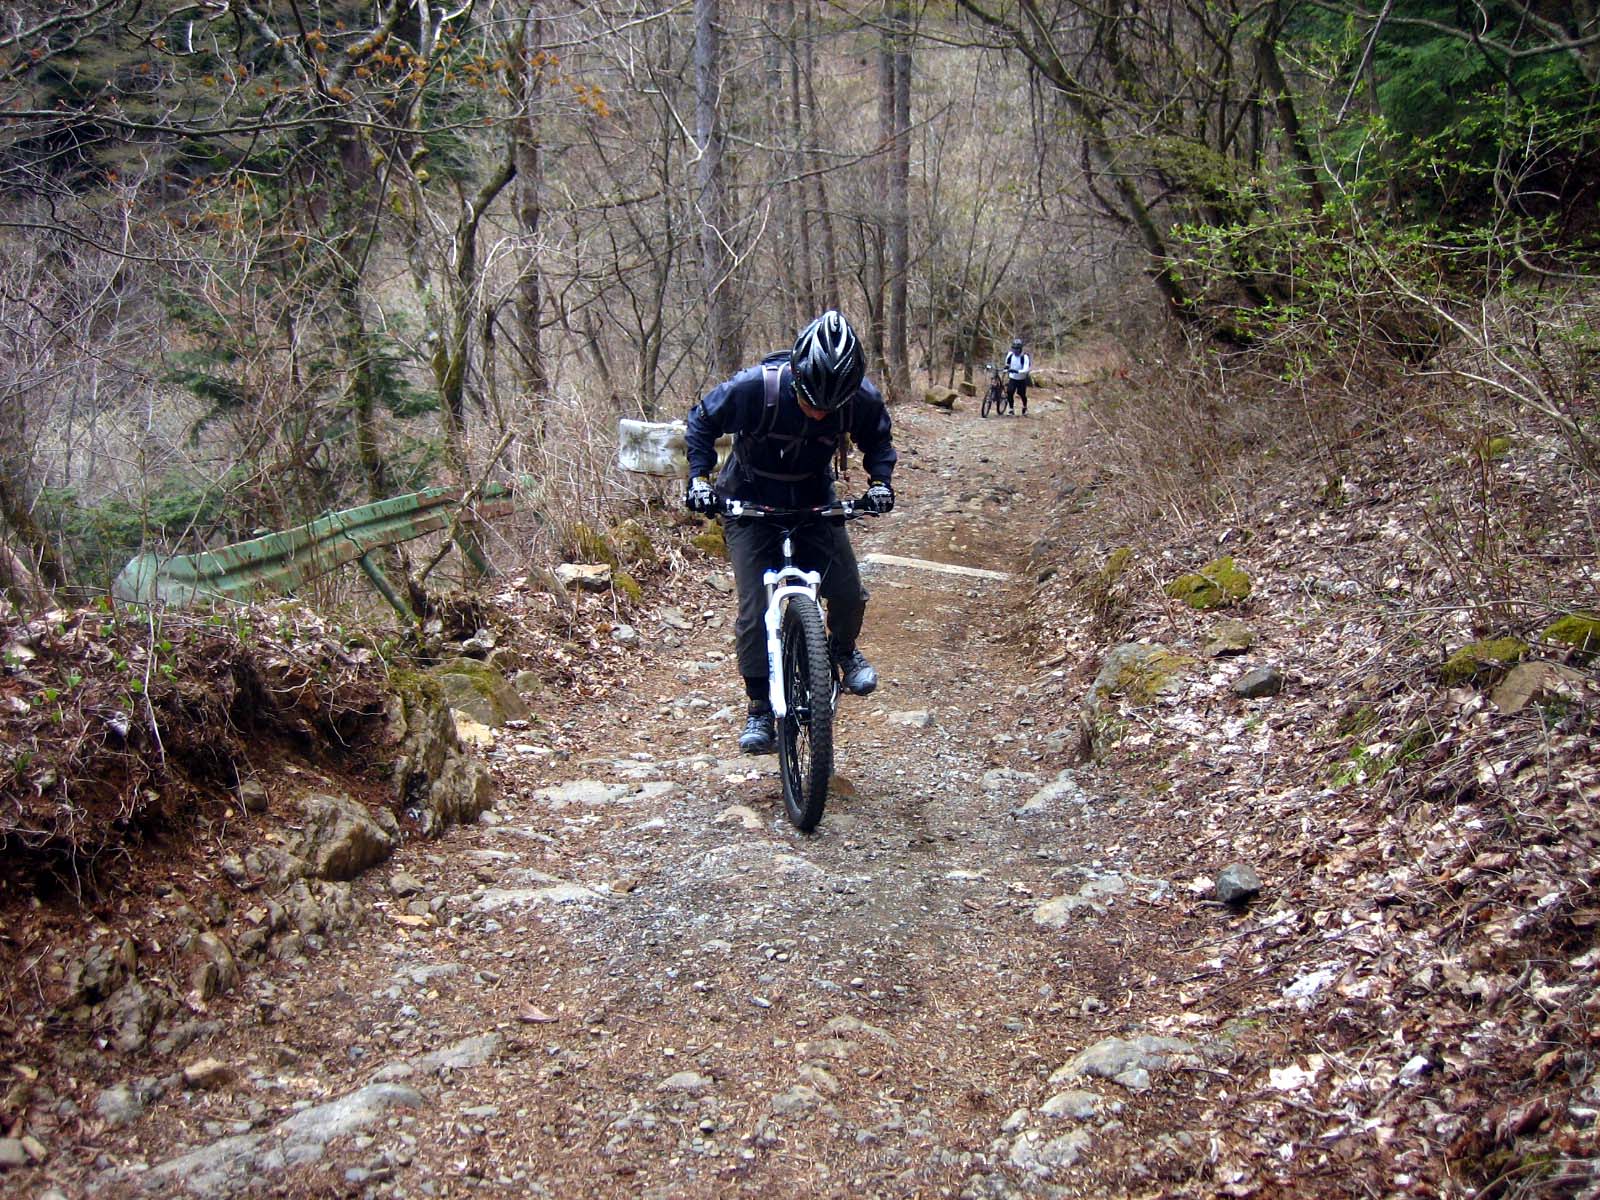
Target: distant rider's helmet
x,y
1016,344
827,361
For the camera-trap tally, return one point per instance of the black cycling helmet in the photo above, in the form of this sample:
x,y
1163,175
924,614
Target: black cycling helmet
x,y
1016,343
827,362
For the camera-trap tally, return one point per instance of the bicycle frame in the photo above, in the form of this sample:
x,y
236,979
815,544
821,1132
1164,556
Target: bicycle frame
x,y
786,581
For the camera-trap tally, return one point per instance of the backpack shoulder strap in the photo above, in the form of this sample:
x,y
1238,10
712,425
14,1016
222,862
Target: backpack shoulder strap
x,y
771,377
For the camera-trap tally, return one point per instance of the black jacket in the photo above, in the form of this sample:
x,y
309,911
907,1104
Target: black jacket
x,y
791,463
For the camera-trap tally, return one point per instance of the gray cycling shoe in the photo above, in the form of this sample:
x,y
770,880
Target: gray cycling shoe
x,y
760,734
856,673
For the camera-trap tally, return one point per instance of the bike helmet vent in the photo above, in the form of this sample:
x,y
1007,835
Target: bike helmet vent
x,y
827,362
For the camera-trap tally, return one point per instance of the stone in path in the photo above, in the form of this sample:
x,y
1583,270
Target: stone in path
x,y
235,1163
1091,897
1038,1155
1128,1061
1063,789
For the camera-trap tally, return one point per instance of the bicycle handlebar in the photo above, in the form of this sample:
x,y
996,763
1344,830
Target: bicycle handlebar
x,y
842,509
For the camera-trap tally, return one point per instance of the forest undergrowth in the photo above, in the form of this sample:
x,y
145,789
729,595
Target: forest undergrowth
x,y
1422,795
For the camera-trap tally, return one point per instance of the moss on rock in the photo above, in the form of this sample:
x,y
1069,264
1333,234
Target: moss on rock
x,y
1102,595
1216,585
1483,659
711,541
1579,630
628,586
632,542
589,545
414,688
480,691
1142,674
1116,563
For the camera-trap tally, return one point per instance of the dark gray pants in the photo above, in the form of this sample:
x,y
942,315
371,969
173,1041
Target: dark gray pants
x,y
757,546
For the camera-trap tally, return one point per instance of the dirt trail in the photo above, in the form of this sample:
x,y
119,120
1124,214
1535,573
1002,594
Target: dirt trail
x,y
639,980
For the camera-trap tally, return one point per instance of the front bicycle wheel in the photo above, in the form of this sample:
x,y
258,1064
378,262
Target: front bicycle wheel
x,y
988,401
805,735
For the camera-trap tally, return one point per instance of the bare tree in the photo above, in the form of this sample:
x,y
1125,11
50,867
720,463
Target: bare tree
x,y
716,263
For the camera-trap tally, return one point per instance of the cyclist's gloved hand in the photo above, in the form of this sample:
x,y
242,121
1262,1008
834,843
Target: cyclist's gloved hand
x,y
879,497
702,497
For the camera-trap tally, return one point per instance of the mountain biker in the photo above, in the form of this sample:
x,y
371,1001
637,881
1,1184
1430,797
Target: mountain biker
x,y
1018,367
789,442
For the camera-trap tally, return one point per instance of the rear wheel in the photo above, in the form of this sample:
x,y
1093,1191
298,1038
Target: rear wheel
x,y
805,735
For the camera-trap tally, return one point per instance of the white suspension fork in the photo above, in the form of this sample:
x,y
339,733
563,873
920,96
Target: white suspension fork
x,y
780,585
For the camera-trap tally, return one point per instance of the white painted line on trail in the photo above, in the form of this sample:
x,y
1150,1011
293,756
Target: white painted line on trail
x,y
924,564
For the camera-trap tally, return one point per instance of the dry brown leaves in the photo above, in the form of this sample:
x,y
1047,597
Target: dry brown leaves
x,y
1418,989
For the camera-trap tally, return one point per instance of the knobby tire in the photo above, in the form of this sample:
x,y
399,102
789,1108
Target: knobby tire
x,y
805,735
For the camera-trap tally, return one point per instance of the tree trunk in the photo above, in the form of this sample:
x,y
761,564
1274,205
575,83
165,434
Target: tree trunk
x,y
20,534
533,372
18,580
801,260
716,263
361,388
830,289
1082,102
1283,103
453,356
899,203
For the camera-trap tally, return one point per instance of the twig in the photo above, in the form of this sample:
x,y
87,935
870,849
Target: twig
x,y
468,498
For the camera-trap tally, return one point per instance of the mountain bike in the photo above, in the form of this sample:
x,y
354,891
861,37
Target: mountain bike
x,y
996,395
802,679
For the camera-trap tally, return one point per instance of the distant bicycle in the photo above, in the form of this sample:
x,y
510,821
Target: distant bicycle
x,y
996,395
801,675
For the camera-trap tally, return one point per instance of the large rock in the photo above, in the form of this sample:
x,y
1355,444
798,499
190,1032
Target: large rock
x,y
1481,661
132,1012
1237,883
438,783
120,1104
1228,637
342,838
652,447
1042,1156
1216,585
101,971
1262,681
1094,896
480,691
1141,674
584,577
1128,1061
237,1163
1538,682
940,397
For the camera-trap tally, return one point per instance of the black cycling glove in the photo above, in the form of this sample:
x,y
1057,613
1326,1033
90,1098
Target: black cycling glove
x,y
879,497
702,497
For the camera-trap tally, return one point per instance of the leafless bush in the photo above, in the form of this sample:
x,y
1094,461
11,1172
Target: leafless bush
x,y
1182,431
1490,447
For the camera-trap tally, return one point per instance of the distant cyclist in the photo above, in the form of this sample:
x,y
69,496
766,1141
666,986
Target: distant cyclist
x,y
787,435
1018,369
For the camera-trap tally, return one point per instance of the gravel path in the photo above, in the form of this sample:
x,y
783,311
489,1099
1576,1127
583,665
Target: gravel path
x,y
637,979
